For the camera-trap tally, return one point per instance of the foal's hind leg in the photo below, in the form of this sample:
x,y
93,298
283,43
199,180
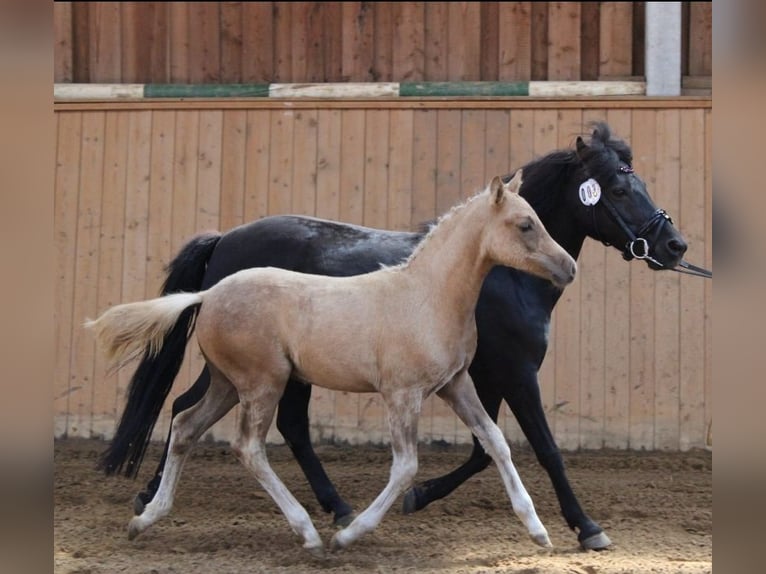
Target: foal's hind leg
x,y
403,410
258,405
460,394
186,429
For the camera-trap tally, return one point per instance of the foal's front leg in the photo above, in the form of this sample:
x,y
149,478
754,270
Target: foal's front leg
x,y
403,410
461,395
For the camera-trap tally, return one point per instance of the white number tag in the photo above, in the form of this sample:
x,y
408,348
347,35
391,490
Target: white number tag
x,y
590,192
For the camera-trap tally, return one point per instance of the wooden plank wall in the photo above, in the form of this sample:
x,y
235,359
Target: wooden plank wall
x,y
242,42
630,358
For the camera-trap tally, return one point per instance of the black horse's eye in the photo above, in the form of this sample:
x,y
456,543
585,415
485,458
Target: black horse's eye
x,y
618,191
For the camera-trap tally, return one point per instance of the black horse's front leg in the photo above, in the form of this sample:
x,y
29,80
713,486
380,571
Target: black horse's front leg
x,y
293,424
186,400
524,399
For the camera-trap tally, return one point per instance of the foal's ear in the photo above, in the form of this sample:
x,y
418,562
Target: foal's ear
x,y
514,185
497,190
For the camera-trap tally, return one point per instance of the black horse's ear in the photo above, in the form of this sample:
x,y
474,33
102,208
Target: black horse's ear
x,y
581,146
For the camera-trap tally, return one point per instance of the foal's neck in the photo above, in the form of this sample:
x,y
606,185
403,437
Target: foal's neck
x,y
451,260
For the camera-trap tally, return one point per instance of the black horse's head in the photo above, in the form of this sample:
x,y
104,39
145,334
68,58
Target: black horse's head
x,y
613,204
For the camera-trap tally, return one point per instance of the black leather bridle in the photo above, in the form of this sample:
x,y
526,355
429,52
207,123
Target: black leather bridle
x,y
637,246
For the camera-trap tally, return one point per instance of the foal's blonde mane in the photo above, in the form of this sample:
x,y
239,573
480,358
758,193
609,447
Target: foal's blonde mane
x,y
436,226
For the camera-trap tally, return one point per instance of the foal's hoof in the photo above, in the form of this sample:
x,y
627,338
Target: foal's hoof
x,y
542,539
316,551
336,544
599,541
134,528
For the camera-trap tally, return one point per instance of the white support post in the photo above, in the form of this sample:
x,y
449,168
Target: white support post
x,y
663,48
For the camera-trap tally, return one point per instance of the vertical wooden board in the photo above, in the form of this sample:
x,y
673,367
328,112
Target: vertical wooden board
x,y
691,222
62,42
708,357
564,41
301,15
590,45
304,162
489,41
515,41
522,139
617,324
448,152
282,25
497,147
639,43
231,42
183,223
257,164
204,43
700,38
539,41
328,163
424,154
104,23
144,42
667,291
464,34
400,150
352,193
160,215
436,42
315,54
383,52
233,168
591,274
110,261
65,229
209,169
332,42
472,152
545,140
81,42
136,221
642,311
569,334
281,162
376,168
616,39
178,42
408,50
358,41
86,272
257,42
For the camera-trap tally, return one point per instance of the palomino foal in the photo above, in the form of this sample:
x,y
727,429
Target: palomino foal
x,y
405,332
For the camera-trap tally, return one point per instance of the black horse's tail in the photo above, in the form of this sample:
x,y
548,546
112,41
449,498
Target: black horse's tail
x,y
154,375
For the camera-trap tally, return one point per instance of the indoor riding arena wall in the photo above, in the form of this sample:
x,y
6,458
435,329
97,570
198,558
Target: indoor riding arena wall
x,y
629,364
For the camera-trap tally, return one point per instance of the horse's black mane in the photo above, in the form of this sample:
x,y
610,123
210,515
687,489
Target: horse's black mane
x,y
546,176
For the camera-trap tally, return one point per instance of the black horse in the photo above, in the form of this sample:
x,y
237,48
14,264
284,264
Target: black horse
x,y
588,192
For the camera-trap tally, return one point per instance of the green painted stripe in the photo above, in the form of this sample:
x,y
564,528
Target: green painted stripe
x,y
447,89
206,90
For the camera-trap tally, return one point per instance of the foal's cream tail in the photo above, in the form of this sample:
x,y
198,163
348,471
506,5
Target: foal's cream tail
x,y
123,331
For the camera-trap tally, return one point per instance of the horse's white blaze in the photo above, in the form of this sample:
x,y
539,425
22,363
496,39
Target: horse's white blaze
x,y
405,331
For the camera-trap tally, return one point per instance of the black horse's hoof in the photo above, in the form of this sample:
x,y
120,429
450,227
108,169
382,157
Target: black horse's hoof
x,y
140,502
344,520
598,541
410,501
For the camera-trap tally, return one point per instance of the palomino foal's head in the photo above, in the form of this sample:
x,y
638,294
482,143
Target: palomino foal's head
x,y
522,241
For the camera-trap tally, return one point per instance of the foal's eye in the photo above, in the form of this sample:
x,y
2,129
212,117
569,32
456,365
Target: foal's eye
x,y
526,226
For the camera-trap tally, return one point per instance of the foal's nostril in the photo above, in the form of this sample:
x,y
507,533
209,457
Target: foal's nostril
x,y
677,246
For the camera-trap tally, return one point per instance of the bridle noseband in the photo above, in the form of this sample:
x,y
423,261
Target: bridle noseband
x,y
637,246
